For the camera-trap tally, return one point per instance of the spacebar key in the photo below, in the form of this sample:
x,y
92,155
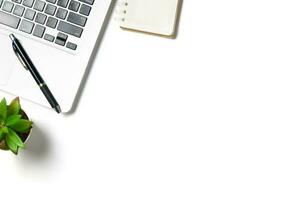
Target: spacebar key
x,y
9,20
69,29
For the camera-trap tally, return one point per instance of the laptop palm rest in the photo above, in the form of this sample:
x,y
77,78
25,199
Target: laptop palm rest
x,y
8,59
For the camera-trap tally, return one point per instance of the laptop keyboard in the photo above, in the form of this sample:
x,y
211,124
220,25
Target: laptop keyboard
x,y
34,17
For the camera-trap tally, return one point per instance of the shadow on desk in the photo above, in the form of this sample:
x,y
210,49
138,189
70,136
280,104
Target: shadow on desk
x,y
38,153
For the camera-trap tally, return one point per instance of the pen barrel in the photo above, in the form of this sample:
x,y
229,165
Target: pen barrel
x,y
27,61
49,96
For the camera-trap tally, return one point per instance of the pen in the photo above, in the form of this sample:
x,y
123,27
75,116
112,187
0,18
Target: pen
x,y
28,65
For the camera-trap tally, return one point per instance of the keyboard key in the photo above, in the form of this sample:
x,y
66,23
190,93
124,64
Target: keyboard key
x,y
62,36
76,19
39,31
50,9
71,45
69,29
74,6
26,26
59,42
51,22
28,3
49,38
9,20
40,18
7,6
61,13
51,1
39,5
16,1
29,14
62,3
85,10
61,39
19,10
91,2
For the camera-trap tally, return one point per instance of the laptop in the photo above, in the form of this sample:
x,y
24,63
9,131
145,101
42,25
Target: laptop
x,y
59,36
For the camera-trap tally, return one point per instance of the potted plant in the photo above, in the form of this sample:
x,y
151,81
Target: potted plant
x,y
15,126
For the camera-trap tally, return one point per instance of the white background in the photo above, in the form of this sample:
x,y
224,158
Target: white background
x,y
213,114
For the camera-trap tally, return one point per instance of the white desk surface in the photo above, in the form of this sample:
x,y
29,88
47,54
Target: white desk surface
x,y
213,114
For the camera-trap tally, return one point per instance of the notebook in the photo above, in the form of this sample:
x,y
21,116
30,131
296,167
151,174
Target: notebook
x,y
152,16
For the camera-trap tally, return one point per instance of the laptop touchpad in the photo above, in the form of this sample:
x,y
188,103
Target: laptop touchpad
x,y
7,58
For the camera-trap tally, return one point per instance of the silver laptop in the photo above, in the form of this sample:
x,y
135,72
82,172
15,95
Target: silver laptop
x,y
59,36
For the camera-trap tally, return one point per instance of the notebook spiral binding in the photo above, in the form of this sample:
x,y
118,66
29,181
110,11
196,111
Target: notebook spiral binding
x,y
121,10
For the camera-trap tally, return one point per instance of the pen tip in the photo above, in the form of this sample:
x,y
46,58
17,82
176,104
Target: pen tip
x,y
12,37
57,109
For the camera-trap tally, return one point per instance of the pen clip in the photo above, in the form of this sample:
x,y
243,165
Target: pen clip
x,y
20,59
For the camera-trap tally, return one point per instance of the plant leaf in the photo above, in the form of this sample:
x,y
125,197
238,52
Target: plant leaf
x,y
4,131
2,134
12,135
11,145
21,125
14,107
12,119
3,109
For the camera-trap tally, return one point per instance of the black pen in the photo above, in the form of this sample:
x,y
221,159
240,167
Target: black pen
x,y
27,63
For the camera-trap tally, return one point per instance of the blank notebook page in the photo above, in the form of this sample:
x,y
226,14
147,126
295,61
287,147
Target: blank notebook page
x,y
153,16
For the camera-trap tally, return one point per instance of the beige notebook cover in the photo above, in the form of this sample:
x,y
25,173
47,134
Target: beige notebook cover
x,y
152,16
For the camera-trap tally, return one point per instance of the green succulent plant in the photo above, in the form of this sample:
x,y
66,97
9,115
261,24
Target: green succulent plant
x,y
12,124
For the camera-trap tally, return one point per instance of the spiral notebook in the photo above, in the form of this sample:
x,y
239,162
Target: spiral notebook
x,y
151,16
